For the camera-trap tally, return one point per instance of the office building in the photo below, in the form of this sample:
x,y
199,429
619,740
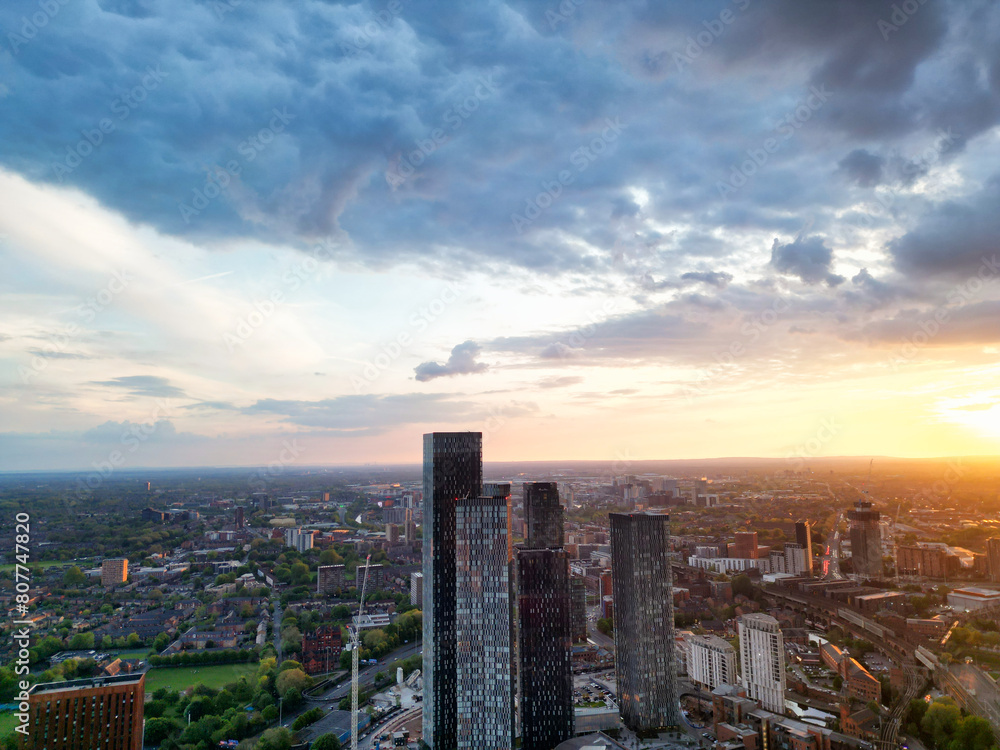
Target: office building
x,y
543,514
484,654
746,545
114,572
803,537
331,579
762,653
993,558
98,713
452,471
417,589
711,661
645,659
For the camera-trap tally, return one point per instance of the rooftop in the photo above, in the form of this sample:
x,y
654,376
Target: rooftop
x,y
87,684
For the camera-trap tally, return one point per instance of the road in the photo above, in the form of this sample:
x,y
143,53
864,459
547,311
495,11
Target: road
x,y
392,725
594,635
367,675
277,628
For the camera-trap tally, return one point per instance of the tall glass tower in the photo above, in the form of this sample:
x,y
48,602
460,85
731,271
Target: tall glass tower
x,y
645,660
453,471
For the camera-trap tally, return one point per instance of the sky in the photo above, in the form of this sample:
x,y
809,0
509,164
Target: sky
x,y
243,232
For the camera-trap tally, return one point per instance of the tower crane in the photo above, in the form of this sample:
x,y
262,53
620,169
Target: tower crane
x,y
355,648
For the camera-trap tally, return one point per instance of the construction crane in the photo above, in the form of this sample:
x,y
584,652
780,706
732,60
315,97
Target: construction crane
x,y
355,648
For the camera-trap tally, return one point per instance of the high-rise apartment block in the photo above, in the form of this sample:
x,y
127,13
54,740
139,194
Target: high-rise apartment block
x,y
803,537
98,713
543,514
483,646
452,471
645,659
762,653
417,589
866,540
114,572
331,579
711,661
239,517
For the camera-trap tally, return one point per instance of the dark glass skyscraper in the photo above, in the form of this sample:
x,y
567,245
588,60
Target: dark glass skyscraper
x,y
645,659
545,648
543,514
544,611
453,471
803,536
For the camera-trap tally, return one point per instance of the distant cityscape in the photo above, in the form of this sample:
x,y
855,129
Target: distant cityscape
x,y
792,610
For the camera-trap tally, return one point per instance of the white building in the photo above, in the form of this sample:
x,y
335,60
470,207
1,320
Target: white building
x,y
973,597
711,661
417,589
299,539
762,653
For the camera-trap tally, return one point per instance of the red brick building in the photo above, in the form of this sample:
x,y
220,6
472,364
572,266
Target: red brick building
x,y
99,713
321,650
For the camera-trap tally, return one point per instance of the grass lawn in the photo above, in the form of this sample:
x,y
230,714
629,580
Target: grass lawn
x,y
137,653
7,723
181,678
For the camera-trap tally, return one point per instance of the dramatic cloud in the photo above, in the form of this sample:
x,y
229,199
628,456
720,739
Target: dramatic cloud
x,y
808,258
461,362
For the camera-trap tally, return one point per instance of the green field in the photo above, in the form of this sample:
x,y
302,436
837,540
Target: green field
x,y
181,678
137,653
7,723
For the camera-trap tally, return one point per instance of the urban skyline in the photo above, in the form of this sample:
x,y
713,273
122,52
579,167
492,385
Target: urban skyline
x,y
203,271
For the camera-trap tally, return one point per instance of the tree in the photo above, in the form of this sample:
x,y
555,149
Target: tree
x,y
278,738
292,678
941,721
326,742
742,585
974,733
158,729
74,577
82,642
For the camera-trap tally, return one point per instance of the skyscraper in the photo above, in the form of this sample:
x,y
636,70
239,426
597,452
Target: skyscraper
x,y
866,540
993,558
483,645
644,620
239,519
543,514
453,471
803,537
762,653
544,611
98,712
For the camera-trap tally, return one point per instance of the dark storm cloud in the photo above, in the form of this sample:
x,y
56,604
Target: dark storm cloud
x,y
808,258
461,362
955,238
429,128
863,168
